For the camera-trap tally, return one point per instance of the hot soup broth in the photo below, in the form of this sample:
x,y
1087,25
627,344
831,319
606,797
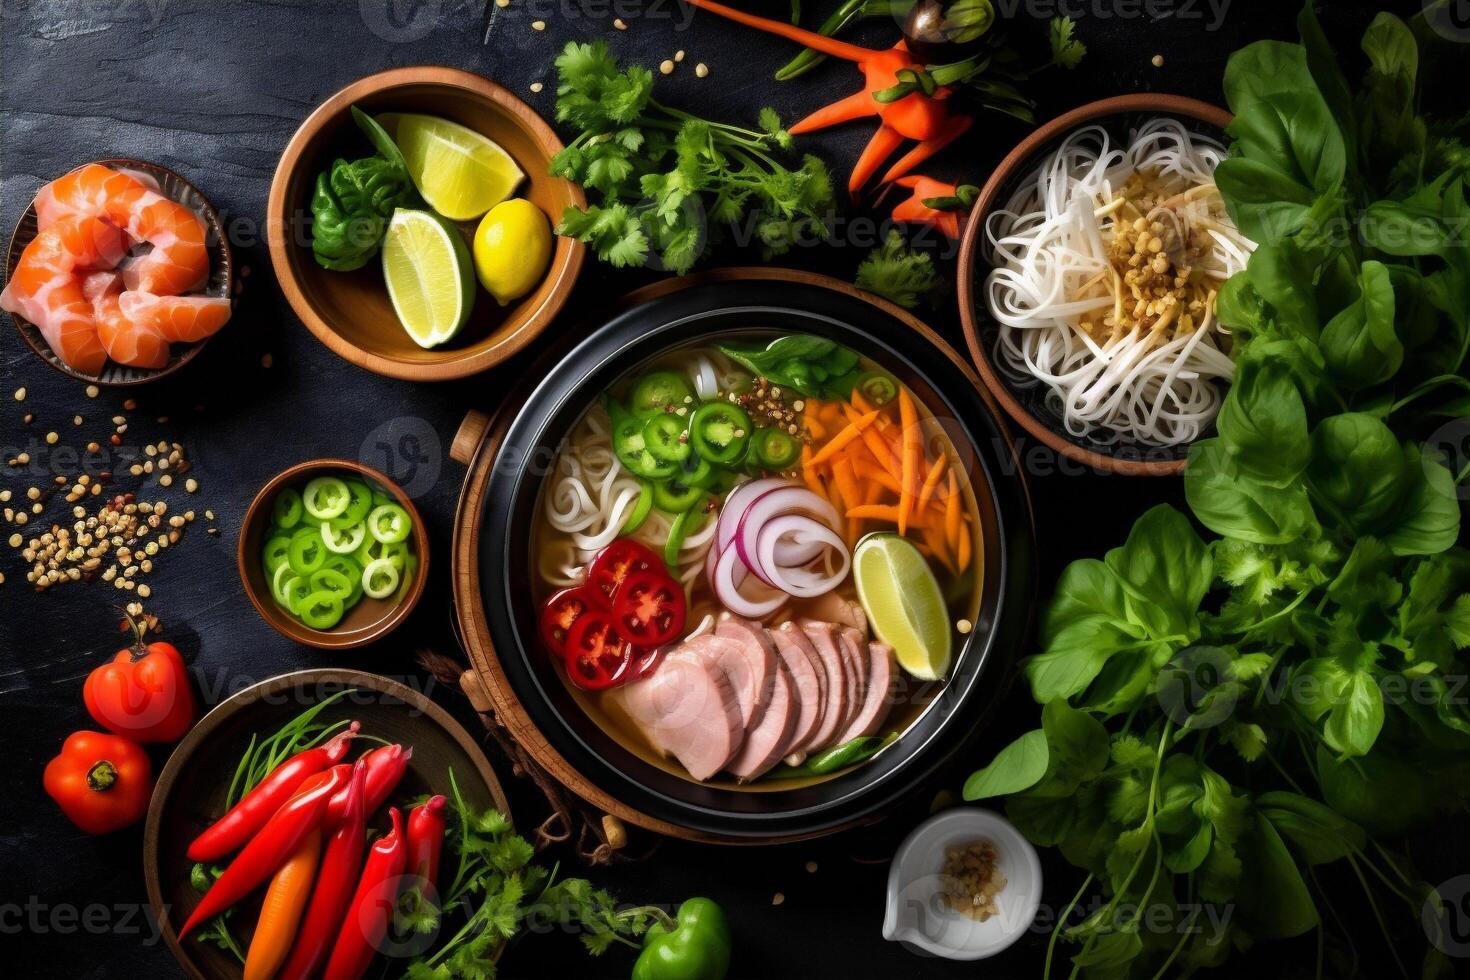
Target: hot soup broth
x,y
811,558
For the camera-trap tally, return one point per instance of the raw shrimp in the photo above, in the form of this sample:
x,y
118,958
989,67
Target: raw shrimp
x,y
46,287
125,340
183,319
179,259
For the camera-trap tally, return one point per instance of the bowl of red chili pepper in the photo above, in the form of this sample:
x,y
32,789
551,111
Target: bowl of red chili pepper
x,y
255,850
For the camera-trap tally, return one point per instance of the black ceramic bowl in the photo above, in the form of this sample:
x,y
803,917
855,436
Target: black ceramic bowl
x,y
704,313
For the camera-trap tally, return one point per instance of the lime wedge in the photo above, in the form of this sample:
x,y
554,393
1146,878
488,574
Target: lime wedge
x,y
460,173
904,604
430,278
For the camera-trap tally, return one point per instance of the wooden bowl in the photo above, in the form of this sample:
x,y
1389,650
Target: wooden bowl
x,y
1026,402
192,787
369,620
350,311
221,278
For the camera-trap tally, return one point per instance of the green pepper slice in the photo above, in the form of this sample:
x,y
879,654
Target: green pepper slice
x,y
876,387
321,610
641,509
720,431
675,497
307,552
632,450
359,502
297,589
348,568
659,392
380,578
286,509
273,555
389,523
343,541
774,449
331,580
678,531
664,437
325,497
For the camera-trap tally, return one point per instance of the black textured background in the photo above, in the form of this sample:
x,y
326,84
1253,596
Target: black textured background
x,y
215,90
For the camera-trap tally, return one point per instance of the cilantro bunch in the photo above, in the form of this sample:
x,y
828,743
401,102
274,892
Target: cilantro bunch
x,y
1227,723
670,182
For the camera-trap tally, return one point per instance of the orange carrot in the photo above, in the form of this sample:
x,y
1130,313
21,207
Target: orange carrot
x,y
815,425
853,430
867,470
934,538
281,909
860,402
875,444
884,512
931,481
909,458
852,495
952,512
964,555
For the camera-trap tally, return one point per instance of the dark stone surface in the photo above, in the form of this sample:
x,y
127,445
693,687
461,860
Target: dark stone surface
x,y
215,91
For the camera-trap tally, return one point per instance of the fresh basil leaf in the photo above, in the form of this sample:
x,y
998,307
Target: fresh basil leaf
x,y
1234,504
1263,422
1086,589
1074,657
1393,133
1017,767
1358,470
1166,569
1429,515
1383,794
1355,721
1359,344
1044,821
1320,834
1282,273
1272,897
1323,65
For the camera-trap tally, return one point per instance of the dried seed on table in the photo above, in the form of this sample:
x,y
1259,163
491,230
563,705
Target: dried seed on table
x,y
93,391
20,394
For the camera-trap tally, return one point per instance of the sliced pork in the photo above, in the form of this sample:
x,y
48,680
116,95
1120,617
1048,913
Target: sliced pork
x,y
854,650
809,679
688,709
882,676
823,638
832,608
750,667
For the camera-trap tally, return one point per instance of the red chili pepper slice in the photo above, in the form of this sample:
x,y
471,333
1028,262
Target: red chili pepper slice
x,y
613,564
644,661
560,612
597,656
649,610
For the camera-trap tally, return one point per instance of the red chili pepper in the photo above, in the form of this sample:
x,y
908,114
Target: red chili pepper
x,y
341,865
386,765
371,907
561,612
597,655
613,564
426,837
934,203
650,609
233,830
269,849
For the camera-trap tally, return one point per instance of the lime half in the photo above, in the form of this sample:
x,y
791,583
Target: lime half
x,y
904,604
430,278
460,173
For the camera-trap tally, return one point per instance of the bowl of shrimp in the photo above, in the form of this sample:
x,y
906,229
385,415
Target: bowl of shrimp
x,y
118,272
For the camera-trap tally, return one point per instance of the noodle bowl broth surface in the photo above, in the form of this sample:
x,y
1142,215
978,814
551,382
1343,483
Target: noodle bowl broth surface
x,y
588,495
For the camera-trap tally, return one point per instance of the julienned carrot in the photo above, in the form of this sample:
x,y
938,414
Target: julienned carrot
x,y
884,512
934,538
963,559
873,441
952,512
909,461
852,495
815,425
853,430
280,910
931,482
871,471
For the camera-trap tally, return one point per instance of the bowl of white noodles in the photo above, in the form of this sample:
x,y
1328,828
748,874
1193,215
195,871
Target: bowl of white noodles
x,y
1088,279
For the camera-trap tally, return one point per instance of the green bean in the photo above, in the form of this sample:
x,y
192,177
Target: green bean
x,y
849,753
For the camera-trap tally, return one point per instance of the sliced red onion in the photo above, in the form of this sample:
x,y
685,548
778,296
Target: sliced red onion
x,y
786,499
797,581
734,507
727,589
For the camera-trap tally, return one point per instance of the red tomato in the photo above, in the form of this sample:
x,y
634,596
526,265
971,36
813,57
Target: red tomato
x,y
644,662
597,656
142,693
649,609
101,782
560,612
615,563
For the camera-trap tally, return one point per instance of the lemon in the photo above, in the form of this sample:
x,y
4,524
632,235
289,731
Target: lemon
x,y
904,604
512,247
427,268
460,173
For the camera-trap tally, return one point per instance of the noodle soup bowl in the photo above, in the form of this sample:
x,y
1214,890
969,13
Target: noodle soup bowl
x,y
1024,397
499,586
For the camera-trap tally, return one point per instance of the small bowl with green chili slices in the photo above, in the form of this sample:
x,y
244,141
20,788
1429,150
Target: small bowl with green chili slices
x,y
333,554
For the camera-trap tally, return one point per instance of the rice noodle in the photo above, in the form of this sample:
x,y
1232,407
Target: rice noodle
x,y
1055,283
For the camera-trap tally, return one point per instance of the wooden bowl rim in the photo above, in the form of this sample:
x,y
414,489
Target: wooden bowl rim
x,y
451,364
240,701
966,280
187,352
478,436
293,629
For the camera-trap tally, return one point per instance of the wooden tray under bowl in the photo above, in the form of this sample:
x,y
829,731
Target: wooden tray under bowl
x,y
192,786
221,278
474,445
